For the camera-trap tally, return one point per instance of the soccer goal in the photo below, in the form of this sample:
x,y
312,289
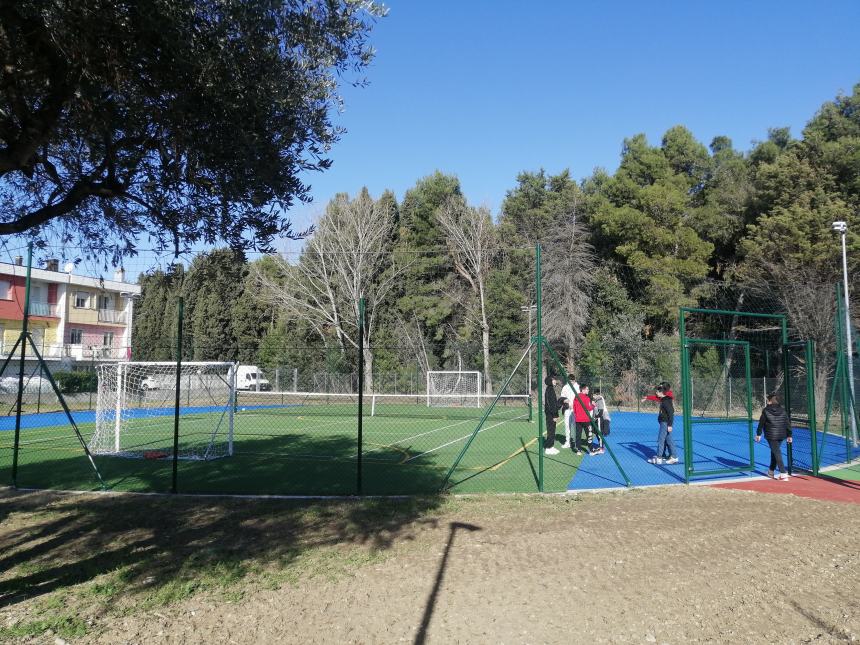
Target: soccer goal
x,y
135,409
453,388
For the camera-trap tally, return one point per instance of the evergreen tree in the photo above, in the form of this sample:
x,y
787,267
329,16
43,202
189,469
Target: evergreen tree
x,y
640,218
425,291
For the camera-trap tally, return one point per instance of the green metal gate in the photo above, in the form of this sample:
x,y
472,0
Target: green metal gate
x,y
799,370
717,407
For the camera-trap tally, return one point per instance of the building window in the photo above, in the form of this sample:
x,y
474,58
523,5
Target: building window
x,y
108,339
105,302
81,299
5,290
76,336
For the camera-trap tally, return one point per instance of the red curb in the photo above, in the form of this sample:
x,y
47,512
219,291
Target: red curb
x,y
824,488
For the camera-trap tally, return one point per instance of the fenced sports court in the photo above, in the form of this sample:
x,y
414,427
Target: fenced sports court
x,y
196,426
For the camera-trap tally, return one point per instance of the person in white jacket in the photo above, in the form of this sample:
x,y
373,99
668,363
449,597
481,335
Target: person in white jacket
x,y
569,391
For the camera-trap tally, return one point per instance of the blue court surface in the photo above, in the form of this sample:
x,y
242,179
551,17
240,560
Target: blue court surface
x,y
716,445
48,419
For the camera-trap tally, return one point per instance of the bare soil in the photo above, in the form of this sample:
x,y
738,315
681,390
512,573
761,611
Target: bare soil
x,y
668,565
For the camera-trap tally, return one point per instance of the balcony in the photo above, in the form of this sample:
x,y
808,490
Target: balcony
x,y
76,352
47,351
43,309
112,316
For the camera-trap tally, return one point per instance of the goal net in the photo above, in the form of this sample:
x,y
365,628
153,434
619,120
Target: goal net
x,y
135,409
453,389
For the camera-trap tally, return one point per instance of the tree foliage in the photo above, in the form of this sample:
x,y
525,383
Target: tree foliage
x,y
177,120
449,287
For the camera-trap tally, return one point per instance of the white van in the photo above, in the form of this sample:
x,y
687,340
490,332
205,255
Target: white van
x,y
249,377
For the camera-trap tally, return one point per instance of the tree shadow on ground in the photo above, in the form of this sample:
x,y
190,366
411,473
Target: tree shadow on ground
x,y
289,464
158,541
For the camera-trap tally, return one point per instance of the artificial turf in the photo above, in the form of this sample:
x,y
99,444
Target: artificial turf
x,y
296,451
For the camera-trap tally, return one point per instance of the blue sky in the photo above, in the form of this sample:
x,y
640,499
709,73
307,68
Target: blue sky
x,y
485,89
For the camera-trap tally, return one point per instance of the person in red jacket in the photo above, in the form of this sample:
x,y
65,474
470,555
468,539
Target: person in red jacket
x,y
666,388
582,408
667,391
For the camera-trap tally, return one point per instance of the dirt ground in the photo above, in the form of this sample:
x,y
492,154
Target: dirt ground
x,y
668,565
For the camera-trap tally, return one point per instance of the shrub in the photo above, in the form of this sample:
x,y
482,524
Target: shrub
x,y
76,381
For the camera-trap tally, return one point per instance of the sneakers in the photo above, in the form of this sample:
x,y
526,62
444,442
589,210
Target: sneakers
x,y
672,460
578,452
783,477
770,474
566,444
655,460
551,451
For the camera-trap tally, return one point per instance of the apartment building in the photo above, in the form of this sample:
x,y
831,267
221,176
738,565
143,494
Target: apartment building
x,y
72,317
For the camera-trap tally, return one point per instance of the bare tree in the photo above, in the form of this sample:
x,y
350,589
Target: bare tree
x,y
471,240
810,307
348,257
568,270
413,342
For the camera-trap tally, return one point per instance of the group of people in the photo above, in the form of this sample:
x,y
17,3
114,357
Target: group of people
x,y
587,420
582,416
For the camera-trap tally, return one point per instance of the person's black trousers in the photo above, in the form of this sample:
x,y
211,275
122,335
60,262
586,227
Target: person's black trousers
x,y
582,428
776,455
549,442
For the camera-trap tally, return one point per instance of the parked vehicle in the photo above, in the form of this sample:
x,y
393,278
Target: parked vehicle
x,y
249,377
32,385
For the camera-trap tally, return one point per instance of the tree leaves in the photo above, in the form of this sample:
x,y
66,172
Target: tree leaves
x,y
185,120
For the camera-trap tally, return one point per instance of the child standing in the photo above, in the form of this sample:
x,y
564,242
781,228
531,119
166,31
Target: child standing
x,y
667,391
774,422
569,392
601,415
551,408
582,408
665,419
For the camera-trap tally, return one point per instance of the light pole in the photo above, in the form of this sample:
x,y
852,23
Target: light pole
x,y
529,309
842,228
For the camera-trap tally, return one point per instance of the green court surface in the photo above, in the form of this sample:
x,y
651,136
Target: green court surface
x,y
302,449
851,473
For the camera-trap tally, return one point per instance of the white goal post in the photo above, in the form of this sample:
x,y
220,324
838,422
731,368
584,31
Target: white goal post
x,y
453,388
135,408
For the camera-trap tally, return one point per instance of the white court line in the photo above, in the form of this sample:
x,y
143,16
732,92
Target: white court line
x,y
427,452
301,428
453,425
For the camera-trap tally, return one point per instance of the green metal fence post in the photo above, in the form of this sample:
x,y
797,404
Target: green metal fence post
x,y
829,411
786,386
686,398
358,464
748,376
180,314
727,390
810,402
24,335
539,341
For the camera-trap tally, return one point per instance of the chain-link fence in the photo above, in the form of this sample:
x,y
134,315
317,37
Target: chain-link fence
x,y
439,382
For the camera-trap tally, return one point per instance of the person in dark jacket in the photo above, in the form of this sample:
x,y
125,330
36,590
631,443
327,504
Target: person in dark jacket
x,y
551,407
665,419
775,424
